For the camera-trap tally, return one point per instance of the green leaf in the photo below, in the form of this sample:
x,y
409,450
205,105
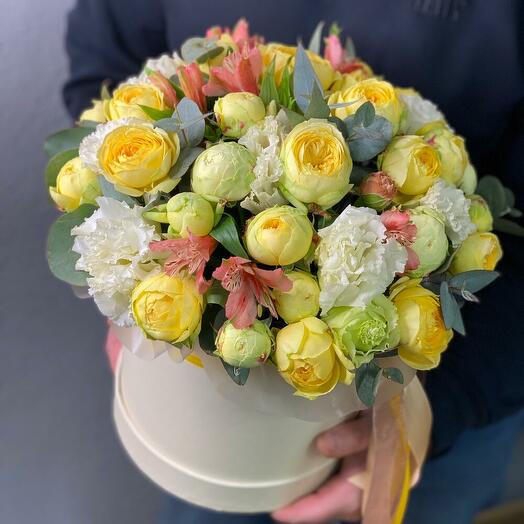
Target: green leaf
x,y
364,115
393,374
60,257
208,331
108,190
316,38
156,114
473,281
198,49
507,226
317,107
238,375
351,53
494,193
366,142
366,381
293,117
285,89
56,163
65,140
216,294
191,122
268,88
450,309
226,233
187,156
304,78
88,124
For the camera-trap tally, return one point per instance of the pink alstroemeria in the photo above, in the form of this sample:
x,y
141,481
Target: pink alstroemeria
x,y
240,71
239,35
399,226
337,56
191,83
249,286
190,254
162,83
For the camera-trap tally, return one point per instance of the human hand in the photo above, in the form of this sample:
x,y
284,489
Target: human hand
x,y
337,499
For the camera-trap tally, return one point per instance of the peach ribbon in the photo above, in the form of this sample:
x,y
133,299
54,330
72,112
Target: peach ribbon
x,y
399,443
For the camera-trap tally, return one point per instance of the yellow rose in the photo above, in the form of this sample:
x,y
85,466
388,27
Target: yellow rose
x,y
237,112
279,236
137,158
413,164
128,98
75,185
379,92
478,251
317,163
423,334
284,55
167,308
308,358
95,113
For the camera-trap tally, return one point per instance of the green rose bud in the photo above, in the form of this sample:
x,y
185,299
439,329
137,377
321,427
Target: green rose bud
x,y
279,236
469,180
301,301
189,212
362,331
431,243
244,348
237,112
478,251
480,214
223,172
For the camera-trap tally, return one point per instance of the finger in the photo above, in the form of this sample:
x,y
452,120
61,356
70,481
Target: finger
x,y
337,499
349,437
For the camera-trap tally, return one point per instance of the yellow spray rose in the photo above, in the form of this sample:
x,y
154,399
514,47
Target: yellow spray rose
x,y
137,158
167,308
379,92
478,251
423,334
190,213
480,214
75,185
128,98
279,236
237,112
413,164
308,358
317,163
95,113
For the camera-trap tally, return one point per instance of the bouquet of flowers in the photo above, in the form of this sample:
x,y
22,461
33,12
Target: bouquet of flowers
x,y
275,206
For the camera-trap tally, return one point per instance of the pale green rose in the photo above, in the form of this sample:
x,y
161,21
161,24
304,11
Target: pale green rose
x,y
360,332
469,180
431,244
480,214
244,348
301,301
189,212
223,172
279,236
237,112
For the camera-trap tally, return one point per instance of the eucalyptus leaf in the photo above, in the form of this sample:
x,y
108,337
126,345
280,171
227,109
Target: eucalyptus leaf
x,y
494,193
515,213
450,309
191,121
474,280
108,190
364,115
350,49
268,87
60,257
238,375
156,114
65,140
317,107
507,226
340,125
294,117
88,124
226,234
198,49
366,381
366,142
393,374
316,38
56,163
187,156
304,78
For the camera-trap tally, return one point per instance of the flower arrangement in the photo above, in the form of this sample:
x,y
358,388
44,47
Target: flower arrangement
x,y
275,206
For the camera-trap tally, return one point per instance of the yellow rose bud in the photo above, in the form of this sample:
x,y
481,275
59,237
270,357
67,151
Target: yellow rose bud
x,y
478,251
95,113
245,348
317,163
223,172
237,112
190,213
279,236
379,92
469,180
75,185
301,301
308,359
413,164
423,334
137,158
128,98
167,308
480,214
346,80
453,155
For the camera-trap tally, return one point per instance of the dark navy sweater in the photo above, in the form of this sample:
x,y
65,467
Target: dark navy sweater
x,y
466,55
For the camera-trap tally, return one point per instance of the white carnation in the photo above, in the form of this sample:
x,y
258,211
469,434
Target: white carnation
x,y
264,141
356,260
452,204
113,244
165,64
419,112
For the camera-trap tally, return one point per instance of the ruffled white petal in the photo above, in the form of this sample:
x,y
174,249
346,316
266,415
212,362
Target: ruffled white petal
x,y
419,112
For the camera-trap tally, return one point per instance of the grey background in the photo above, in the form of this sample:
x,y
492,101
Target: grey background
x,y
60,461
